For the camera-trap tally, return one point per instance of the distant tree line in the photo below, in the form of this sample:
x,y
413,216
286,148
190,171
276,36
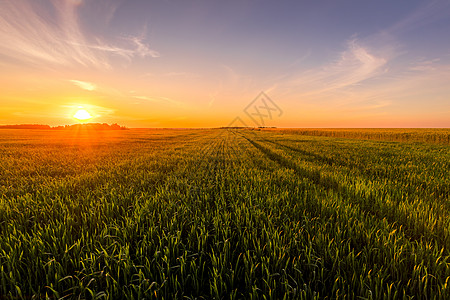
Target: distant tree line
x,y
25,126
90,126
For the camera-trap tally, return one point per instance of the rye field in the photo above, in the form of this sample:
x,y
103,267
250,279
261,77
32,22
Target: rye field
x,y
225,214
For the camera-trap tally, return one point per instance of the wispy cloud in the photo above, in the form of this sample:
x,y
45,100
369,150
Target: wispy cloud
x,y
88,86
157,99
430,11
368,74
354,65
40,32
142,49
146,98
173,74
94,110
425,65
367,107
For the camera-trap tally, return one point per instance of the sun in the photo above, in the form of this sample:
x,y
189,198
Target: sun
x,y
82,115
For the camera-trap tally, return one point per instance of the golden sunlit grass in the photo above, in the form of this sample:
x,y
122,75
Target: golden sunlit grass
x,y
82,115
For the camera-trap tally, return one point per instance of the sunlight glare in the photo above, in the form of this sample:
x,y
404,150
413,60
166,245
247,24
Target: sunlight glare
x,y
82,115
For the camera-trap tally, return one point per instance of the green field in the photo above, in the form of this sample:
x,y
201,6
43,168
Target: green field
x,y
225,214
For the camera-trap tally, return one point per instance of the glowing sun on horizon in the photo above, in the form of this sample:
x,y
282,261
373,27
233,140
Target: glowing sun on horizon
x,y
82,115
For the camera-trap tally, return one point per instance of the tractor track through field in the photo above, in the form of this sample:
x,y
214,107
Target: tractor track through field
x,y
409,238
396,216
440,192
317,211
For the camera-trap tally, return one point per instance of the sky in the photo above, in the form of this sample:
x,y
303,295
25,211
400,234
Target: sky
x,y
199,63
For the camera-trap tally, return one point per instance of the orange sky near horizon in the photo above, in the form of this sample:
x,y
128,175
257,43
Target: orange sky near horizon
x,y
148,64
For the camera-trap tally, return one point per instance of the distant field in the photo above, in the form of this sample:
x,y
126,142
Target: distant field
x,y
221,213
427,135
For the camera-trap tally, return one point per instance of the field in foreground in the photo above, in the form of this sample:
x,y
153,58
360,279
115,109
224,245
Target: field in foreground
x,y
222,213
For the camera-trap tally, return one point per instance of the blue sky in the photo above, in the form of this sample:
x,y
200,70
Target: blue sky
x,y
199,63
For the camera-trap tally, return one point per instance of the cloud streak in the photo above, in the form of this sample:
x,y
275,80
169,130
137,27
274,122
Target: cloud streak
x,y
353,66
51,32
429,12
157,99
88,86
366,75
